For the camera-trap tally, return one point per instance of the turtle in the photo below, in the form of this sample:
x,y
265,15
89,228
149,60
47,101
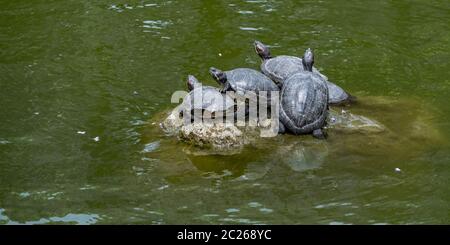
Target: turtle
x,y
281,67
206,99
304,101
242,80
246,83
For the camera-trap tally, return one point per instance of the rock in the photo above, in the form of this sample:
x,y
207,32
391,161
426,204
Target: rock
x,y
216,137
173,122
212,135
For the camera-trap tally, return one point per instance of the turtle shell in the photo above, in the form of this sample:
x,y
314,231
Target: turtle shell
x,y
337,95
304,103
245,79
207,98
282,67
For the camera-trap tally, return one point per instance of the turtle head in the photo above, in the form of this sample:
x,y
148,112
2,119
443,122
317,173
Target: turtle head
x,y
192,83
308,60
262,50
218,75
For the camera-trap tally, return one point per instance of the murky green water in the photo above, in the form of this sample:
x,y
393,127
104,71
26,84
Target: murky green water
x,y
108,68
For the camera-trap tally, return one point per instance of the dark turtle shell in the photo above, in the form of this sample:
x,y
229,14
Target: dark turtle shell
x,y
282,67
304,103
245,79
336,95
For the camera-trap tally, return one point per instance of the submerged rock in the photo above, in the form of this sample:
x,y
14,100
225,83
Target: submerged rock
x,y
346,122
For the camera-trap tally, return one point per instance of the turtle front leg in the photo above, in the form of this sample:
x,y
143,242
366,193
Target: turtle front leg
x,y
225,88
280,85
281,128
319,134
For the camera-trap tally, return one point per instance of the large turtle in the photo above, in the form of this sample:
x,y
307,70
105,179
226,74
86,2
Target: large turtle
x,y
281,67
206,99
304,101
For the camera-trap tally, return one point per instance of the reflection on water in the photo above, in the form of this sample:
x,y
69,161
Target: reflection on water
x,y
304,156
77,219
74,71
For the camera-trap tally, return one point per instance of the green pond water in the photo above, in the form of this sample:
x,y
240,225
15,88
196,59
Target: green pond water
x,y
72,71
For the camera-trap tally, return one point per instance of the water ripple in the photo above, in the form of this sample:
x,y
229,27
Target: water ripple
x,y
150,5
151,147
248,28
232,210
79,219
254,204
240,220
256,1
119,8
156,24
245,12
266,210
4,142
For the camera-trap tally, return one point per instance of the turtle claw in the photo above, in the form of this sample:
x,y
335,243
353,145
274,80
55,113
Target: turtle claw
x,y
319,134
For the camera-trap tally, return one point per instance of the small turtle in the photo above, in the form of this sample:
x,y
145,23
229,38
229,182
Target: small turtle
x,y
282,67
304,101
247,83
206,98
242,80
